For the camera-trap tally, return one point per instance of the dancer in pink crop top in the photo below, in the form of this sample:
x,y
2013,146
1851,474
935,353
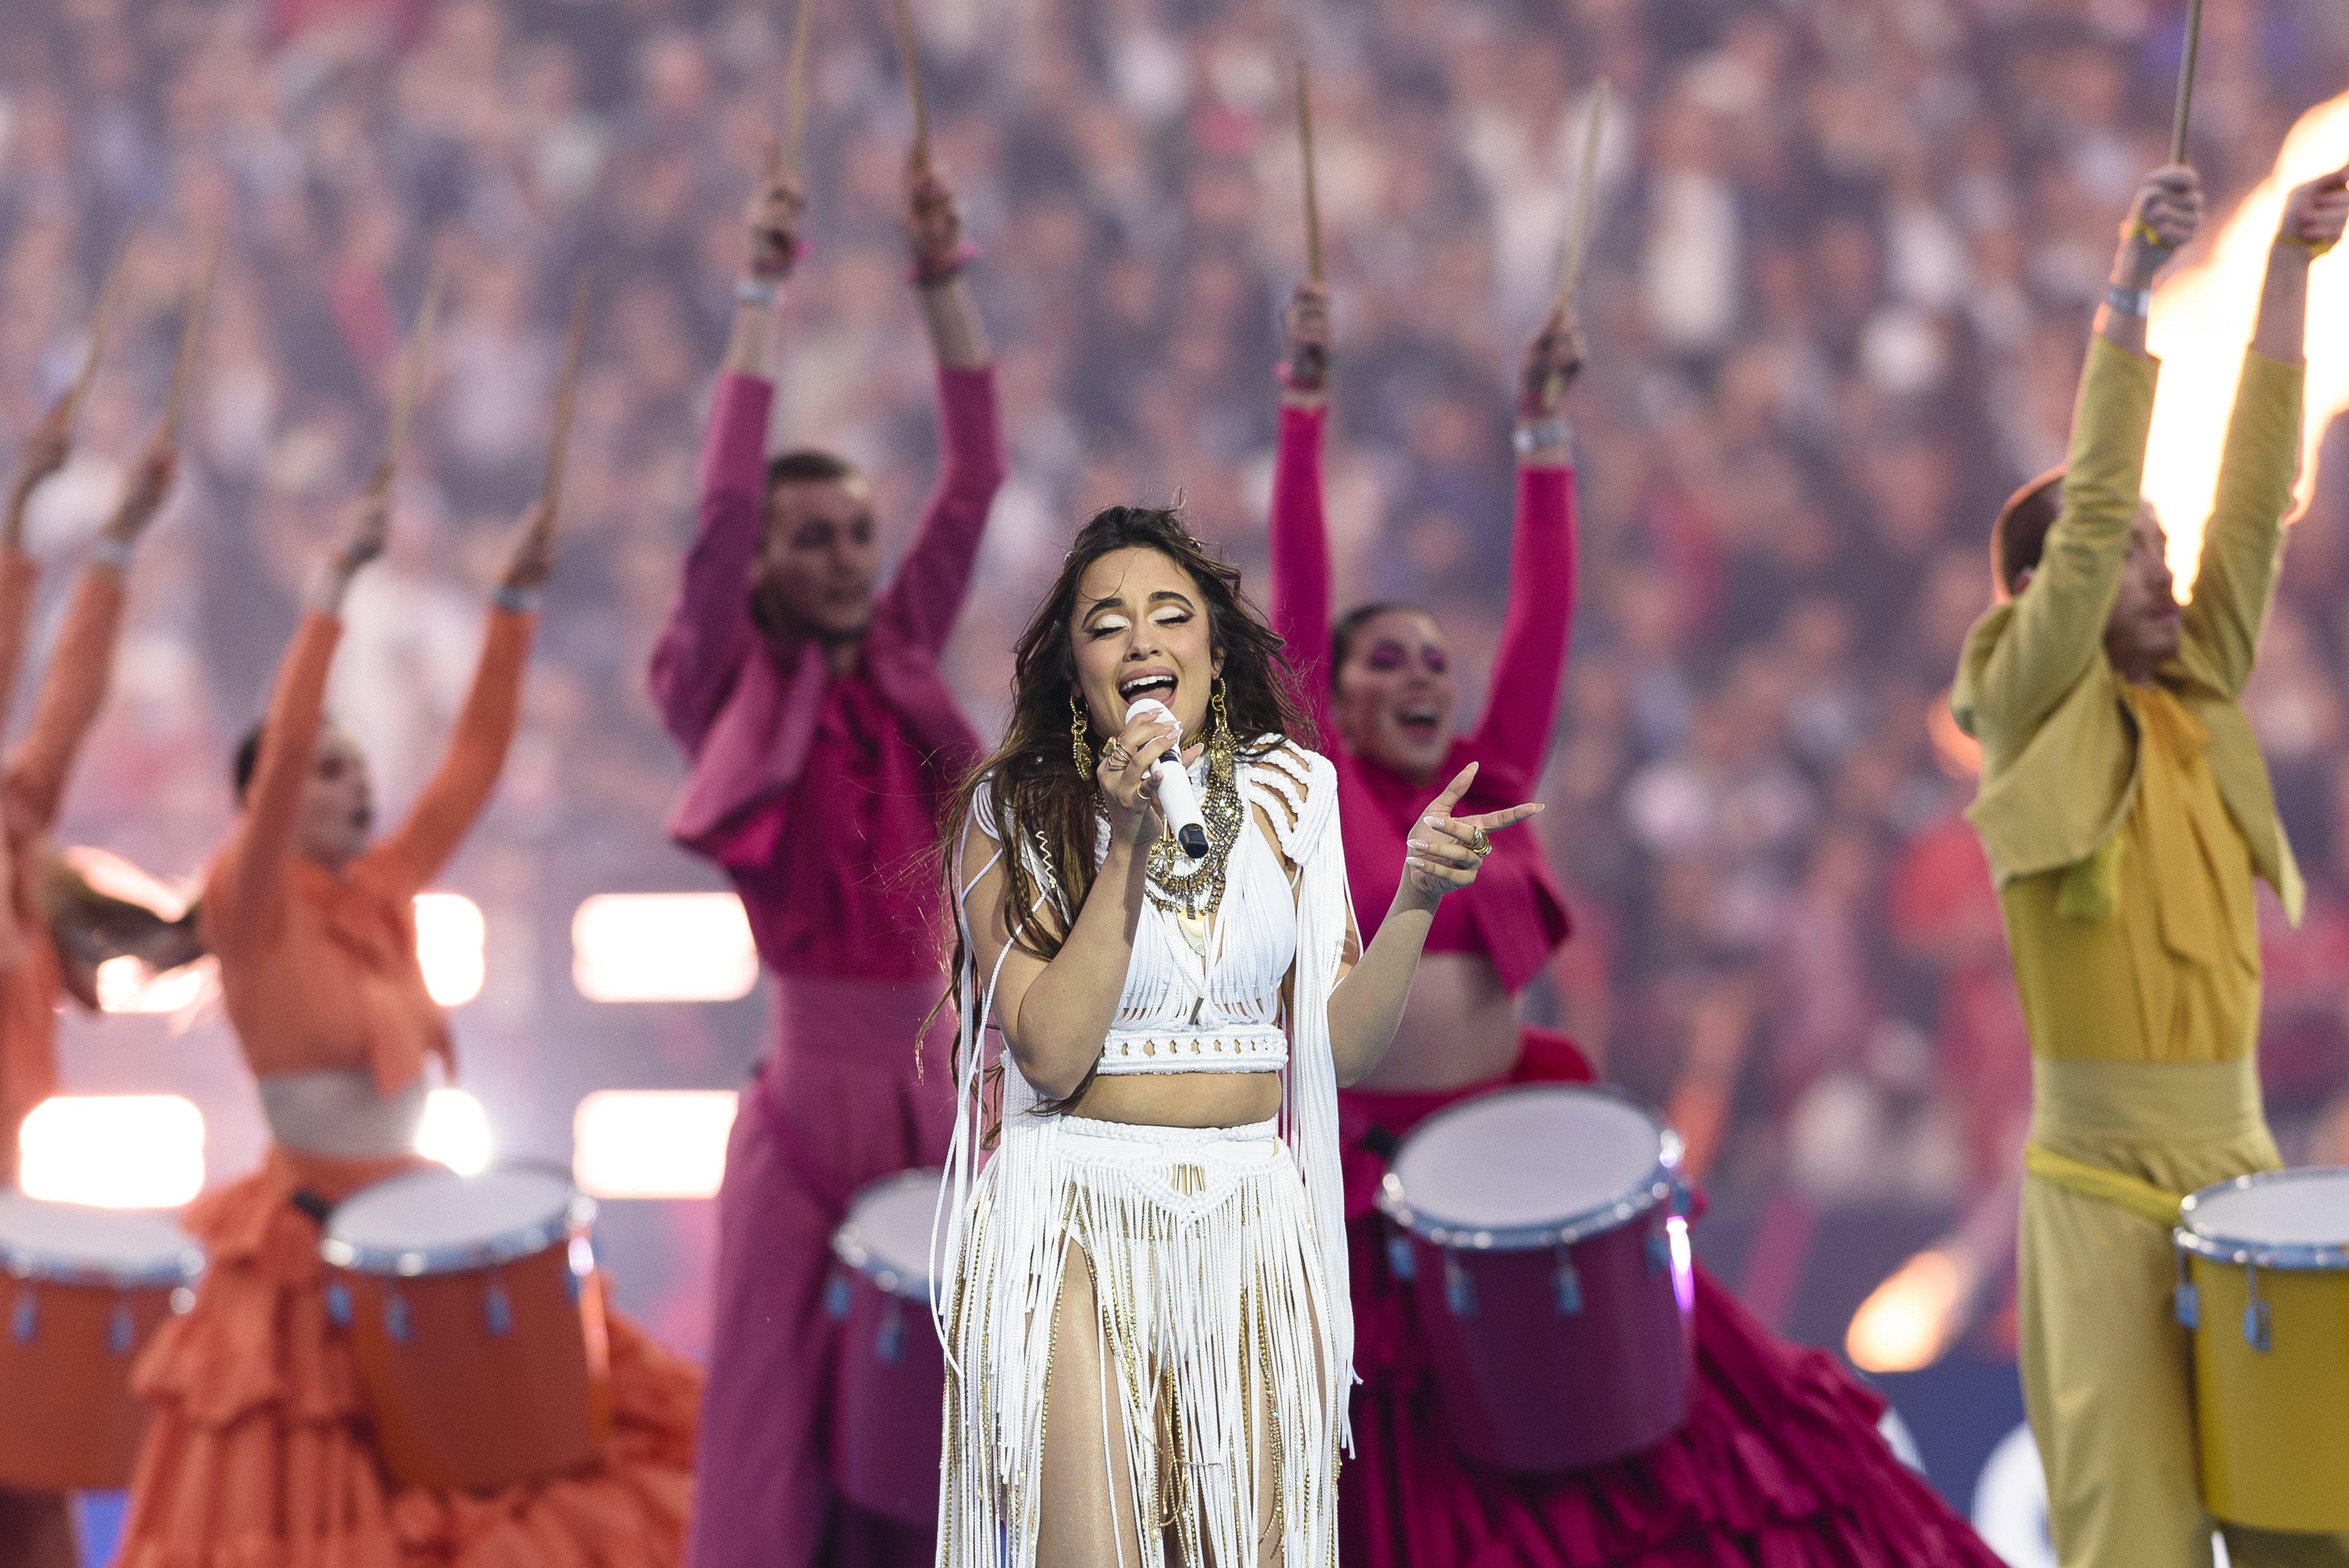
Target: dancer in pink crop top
x,y
1780,1459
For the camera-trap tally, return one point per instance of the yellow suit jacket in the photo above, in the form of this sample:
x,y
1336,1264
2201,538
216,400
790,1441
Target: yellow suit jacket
x,y
2034,686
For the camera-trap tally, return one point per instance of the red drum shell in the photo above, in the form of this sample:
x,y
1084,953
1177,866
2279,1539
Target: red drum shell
x,y
889,1372
1526,1387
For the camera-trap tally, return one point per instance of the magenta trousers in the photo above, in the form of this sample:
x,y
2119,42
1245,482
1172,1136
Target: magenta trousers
x,y
836,1105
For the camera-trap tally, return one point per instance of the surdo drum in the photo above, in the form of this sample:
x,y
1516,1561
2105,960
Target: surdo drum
x,y
1539,1231
2263,1285
85,1289
474,1315
890,1374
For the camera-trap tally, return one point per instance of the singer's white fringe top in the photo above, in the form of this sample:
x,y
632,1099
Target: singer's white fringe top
x,y
1217,1257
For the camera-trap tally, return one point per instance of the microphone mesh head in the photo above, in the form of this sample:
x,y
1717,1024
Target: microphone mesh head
x,y
1194,840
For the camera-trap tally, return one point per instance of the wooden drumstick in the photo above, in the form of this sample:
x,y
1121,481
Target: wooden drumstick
x,y
414,367
796,89
567,394
1313,195
2184,112
909,58
109,294
191,332
1577,235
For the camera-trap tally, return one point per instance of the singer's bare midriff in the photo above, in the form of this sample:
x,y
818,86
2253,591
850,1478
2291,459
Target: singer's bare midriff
x,y
1459,1028
1182,1099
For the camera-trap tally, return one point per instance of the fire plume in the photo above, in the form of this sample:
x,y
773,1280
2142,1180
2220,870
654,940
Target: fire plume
x,y
2202,316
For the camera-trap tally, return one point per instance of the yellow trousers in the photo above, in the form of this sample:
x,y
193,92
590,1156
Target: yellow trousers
x,y
2107,1373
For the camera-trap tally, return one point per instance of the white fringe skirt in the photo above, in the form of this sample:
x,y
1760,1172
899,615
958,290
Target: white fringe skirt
x,y
1214,1309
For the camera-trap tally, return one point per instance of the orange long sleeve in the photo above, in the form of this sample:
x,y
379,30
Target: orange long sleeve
x,y
72,692
412,854
245,895
20,574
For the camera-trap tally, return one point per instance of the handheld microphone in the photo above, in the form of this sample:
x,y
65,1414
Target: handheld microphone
x,y
1177,801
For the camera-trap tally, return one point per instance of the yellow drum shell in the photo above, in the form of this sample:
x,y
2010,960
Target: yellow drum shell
x,y
67,1418
2273,1424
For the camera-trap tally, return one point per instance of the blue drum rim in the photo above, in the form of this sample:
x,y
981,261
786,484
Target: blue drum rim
x,y
848,1243
423,1263
1656,1187
30,1267
2297,1257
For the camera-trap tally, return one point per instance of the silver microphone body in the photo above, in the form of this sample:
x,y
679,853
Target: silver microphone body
x,y
1171,781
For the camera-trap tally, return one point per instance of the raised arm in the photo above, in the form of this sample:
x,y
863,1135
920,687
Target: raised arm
x,y
1299,540
247,889
709,631
926,593
82,666
1521,704
2057,618
47,446
2242,543
413,854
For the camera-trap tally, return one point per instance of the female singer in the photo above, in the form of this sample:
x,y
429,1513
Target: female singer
x,y
1143,1303
1710,1490
824,746
52,926
260,1449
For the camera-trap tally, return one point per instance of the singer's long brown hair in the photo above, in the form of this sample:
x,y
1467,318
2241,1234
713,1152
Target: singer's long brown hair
x,y
1038,794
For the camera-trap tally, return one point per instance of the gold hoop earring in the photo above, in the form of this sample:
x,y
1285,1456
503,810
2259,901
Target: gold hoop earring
x,y
1077,746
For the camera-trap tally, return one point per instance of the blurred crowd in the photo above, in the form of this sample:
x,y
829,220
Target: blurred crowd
x,y
1846,255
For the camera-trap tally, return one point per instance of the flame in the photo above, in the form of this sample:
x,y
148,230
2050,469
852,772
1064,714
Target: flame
x,y
2202,318
1906,1322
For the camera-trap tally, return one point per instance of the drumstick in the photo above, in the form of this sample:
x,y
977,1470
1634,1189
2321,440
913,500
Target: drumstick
x,y
1313,198
566,393
190,331
2185,110
796,89
108,293
1578,234
909,57
413,368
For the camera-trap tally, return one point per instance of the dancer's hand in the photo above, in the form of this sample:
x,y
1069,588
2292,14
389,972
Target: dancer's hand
x,y
532,561
773,219
151,482
367,526
2162,220
2315,212
1445,851
1549,365
1119,768
47,446
1307,339
932,220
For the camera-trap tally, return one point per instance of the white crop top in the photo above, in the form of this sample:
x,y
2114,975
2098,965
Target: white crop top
x,y
1221,1010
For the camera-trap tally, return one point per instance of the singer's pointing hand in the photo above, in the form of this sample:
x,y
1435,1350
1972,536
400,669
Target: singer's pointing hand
x,y
1122,772
1445,851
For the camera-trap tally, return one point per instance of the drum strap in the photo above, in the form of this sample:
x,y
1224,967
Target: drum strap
x,y
2102,1184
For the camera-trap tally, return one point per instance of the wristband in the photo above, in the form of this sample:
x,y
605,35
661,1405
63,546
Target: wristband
x,y
515,599
2137,302
754,291
2315,248
111,551
936,272
1531,437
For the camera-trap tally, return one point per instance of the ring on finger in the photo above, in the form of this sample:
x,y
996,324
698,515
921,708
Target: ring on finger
x,y
1480,842
1114,756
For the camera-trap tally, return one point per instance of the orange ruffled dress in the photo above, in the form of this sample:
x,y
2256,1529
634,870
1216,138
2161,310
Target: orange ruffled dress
x,y
261,1454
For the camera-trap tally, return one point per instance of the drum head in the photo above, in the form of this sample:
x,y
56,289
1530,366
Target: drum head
x,y
887,1233
1536,1160
2298,1218
73,1243
437,1221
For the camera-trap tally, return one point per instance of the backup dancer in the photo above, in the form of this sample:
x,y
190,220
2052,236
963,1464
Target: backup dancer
x,y
1143,1298
2126,809
824,746
42,962
261,1450
1779,1458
